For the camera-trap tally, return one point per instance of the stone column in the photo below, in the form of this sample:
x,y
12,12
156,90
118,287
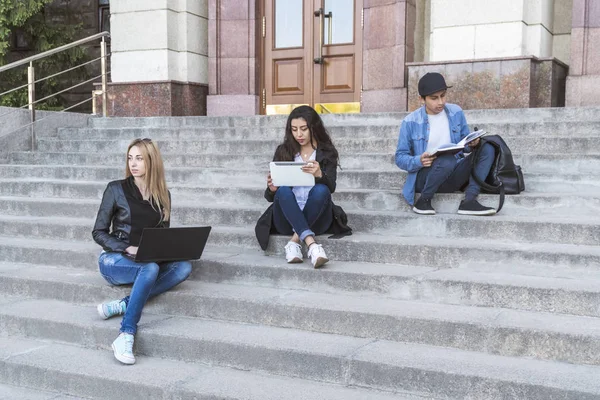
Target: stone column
x,y
467,29
388,44
583,82
159,57
233,80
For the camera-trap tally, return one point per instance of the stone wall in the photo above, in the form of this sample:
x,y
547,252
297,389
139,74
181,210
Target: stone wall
x,y
519,82
234,65
388,44
583,83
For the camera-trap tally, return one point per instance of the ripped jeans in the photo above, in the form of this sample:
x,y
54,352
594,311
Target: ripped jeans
x,y
149,280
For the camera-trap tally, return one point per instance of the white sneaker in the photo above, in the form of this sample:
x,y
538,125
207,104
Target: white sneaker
x,y
293,252
317,255
112,308
123,348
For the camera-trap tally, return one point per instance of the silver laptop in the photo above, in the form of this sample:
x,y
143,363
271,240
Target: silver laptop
x,y
289,173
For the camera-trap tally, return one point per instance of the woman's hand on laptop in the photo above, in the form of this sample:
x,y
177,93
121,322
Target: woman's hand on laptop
x,y
313,168
272,188
131,250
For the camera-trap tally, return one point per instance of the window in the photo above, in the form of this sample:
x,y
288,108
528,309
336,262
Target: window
x,y
20,40
103,15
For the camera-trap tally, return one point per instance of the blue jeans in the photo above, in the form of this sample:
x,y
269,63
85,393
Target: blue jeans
x,y
446,175
316,218
149,280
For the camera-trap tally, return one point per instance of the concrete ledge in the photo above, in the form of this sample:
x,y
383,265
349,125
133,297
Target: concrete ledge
x,y
144,99
15,138
515,82
232,105
582,91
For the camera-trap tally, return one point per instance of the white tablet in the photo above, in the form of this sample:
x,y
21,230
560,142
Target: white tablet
x,y
289,173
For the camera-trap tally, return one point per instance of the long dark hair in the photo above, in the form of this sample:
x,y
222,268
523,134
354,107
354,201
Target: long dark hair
x,y
319,137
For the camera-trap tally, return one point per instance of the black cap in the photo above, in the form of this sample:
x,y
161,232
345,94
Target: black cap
x,y
432,82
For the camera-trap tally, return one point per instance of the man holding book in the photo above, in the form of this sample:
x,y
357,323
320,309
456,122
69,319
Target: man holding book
x,y
434,147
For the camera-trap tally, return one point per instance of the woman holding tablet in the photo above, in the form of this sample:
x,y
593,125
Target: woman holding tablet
x,y
304,211
139,201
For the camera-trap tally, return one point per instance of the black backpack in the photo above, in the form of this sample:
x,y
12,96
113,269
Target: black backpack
x,y
505,177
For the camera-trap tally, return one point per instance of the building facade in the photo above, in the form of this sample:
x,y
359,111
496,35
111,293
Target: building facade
x,y
247,57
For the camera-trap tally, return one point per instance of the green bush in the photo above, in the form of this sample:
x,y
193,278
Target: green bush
x,y
42,32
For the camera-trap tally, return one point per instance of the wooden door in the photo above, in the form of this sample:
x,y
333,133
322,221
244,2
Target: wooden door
x,y
312,55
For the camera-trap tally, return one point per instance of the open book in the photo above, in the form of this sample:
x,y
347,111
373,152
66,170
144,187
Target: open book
x,y
455,148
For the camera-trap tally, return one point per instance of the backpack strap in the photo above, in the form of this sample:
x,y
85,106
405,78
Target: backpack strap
x,y
488,187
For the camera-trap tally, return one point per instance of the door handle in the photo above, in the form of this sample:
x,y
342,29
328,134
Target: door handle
x,y
321,14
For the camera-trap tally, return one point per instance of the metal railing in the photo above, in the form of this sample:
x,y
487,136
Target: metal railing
x,y
31,81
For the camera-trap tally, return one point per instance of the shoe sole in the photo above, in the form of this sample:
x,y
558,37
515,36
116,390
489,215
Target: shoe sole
x,y
124,360
101,312
480,213
423,212
295,260
320,262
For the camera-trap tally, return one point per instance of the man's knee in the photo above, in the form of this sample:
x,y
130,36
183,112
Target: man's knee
x,y
444,161
487,151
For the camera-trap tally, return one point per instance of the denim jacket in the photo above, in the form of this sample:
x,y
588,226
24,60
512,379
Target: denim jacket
x,y
413,139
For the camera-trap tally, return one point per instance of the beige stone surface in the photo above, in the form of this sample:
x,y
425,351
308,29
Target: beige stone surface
x,y
391,100
563,16
450,13
561,48
455,43
499,40
582,91
378,69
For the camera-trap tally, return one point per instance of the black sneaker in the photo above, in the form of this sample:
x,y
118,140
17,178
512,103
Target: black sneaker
x,y
424,207
472,207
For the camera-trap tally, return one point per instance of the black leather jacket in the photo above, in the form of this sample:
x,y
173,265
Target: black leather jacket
x,y
114,210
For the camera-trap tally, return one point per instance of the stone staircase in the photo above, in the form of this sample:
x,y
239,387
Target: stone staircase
x,y
410,307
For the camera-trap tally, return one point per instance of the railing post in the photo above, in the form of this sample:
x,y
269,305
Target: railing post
x,y
103,68
31,97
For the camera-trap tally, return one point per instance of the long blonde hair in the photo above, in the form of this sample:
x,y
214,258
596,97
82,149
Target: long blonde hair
x,y
155,175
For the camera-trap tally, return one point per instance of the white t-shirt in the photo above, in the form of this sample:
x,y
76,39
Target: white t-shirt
x,y
439,131
301,192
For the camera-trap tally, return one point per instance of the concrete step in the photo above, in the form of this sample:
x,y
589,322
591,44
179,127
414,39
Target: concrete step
x,y
83,200
563,291
96,374
206,133
292,353
266,147
505,332
322,357
270,121
368,161
10,392
535,115
569,292
347,178
394,224
361,247
563,128
581,184
518,145
540,163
